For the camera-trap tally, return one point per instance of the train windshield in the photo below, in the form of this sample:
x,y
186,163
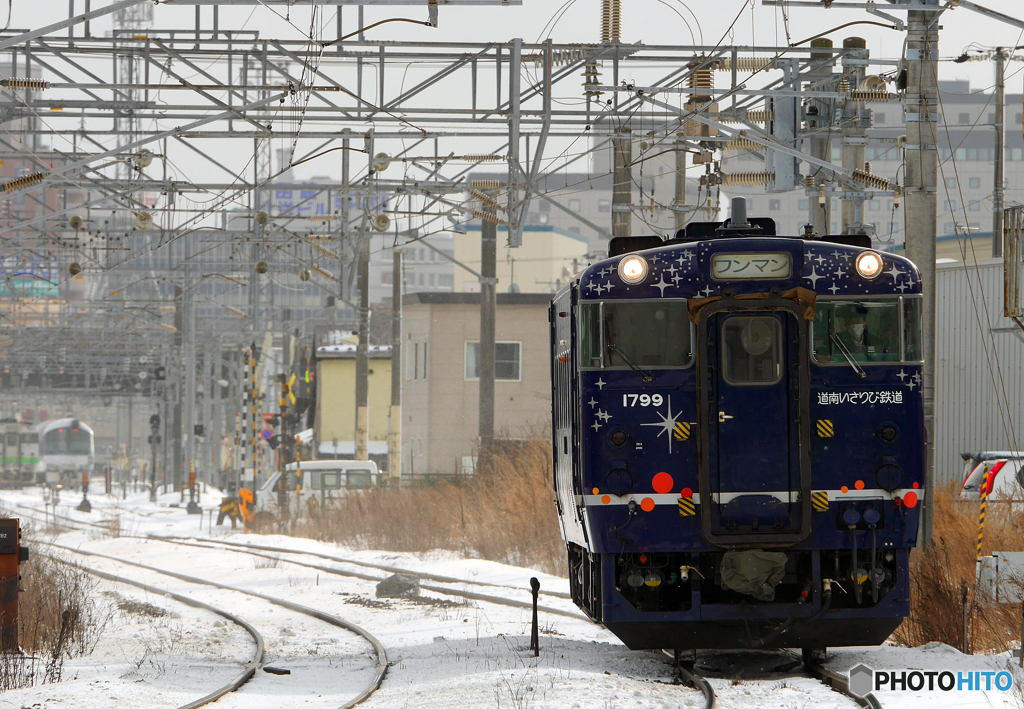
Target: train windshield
x,y
867,330
68,442
647,334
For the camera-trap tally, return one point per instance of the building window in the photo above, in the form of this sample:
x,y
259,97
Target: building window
x,y
950,205
964,118
774,205
604,205
804,204
1019,118
385,278
575,206
949,228
951,182
575,230
445,280
433,279
975,183
975,206
992,118
506,360
424,361
874,205
1015,154
972,153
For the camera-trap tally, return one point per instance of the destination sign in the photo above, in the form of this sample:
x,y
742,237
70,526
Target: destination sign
x,y
753,266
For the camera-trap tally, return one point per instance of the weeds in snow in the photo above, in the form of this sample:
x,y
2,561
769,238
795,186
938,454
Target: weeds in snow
x,y
939,577
503,513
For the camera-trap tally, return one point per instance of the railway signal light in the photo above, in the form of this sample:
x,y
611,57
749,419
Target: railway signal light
x,y
154,420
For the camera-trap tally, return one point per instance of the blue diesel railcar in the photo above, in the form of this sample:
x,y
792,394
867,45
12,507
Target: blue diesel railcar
x,y
739,438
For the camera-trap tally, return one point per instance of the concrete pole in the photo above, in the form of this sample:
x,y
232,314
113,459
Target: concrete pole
x,y
679,199
820,215
622,188
997,185
395,419
254,250
921,163
362,348
176,440
855,125
488,312
189,360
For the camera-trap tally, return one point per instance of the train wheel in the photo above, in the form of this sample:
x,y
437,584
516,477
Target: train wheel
x,y
812,656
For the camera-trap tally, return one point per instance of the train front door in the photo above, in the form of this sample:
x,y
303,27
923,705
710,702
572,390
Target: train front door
x,y
755,472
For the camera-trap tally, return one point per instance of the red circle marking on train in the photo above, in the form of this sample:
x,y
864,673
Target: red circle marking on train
x,y
662,483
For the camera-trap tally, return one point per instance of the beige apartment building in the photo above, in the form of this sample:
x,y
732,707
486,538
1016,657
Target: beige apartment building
x,y
334,426
548,257
441,388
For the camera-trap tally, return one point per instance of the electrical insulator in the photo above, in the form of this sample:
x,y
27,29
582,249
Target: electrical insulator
x,y
27,84
821,194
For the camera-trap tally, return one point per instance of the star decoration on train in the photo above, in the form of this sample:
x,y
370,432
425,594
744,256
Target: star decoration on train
x,y
895,273
661,286
592,402
603,415
706,291
601,383
596,426
814,277
667,423
834,288
671,271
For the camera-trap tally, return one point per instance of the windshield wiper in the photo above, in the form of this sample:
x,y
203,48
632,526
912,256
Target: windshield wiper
x,y
849,357
644,376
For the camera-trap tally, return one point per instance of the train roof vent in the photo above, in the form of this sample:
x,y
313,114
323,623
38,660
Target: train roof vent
x,y
861,240
700,231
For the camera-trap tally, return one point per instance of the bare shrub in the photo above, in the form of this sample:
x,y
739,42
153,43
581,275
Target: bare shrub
x,y
939,576
58,619
503,513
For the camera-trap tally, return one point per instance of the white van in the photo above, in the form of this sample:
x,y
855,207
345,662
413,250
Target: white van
x,y
1005,470
321,479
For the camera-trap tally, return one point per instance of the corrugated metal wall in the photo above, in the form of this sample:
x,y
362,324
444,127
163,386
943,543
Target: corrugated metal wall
x,y
979,395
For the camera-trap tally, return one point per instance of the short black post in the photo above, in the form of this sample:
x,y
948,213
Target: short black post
x,y
963,604
534,635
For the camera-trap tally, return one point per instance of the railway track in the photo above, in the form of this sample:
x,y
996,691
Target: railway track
x,y
282,553
379,651
250,668
830,678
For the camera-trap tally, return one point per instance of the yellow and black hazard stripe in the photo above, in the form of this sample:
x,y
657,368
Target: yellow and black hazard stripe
x,y
825,429
686,507
681,431
819,501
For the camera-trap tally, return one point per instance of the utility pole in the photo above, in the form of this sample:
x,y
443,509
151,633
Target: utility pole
x,y
175,438
622,187
855,125
679,199
997,185
819,121
395,420
362,347
488,312
188,359
922,51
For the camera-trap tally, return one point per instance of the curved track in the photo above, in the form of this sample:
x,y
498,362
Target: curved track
x,y
276,553
249,669
380,652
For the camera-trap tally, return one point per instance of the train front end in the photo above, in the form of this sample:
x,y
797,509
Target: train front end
x,y
739,440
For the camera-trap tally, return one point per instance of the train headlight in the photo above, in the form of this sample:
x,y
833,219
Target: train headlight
x,y
869,264
633,269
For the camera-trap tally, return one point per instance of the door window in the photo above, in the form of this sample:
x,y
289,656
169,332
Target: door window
x,y
751,350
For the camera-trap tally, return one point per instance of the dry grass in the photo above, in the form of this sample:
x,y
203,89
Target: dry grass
x,y
58,619
940,575
504,513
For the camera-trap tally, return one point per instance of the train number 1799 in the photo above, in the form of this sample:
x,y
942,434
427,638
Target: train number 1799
x,y
629,400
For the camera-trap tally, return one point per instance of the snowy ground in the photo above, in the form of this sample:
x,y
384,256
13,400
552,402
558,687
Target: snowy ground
x,y
445,652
